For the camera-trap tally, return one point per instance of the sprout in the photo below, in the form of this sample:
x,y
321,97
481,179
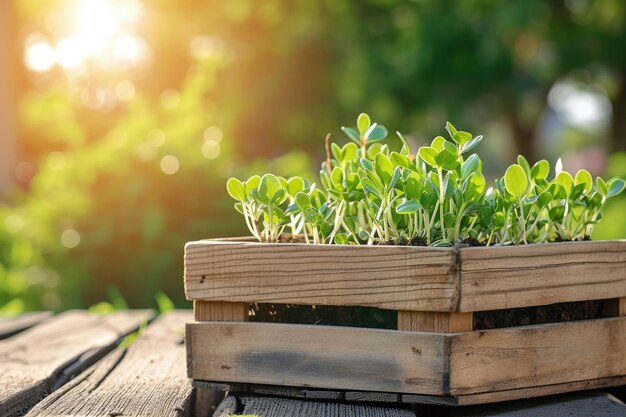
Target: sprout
x,y
372,195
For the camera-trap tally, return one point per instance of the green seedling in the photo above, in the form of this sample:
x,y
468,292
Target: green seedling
x,y
370,194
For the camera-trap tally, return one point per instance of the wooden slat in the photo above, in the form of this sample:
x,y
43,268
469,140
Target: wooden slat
x,y
505,359
12,325
220,311
520,276
38,359
429,321
391,277
317,356
147,379
514,394
588,404
622,306
281,407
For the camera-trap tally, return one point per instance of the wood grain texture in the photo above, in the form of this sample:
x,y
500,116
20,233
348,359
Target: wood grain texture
x,y
146,379
220,311
391,277
519,276
429,321
522,357
12,325
587,404
514,394
36,361
622,306
281,407
317,356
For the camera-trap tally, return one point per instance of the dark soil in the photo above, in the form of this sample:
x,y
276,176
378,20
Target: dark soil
x,y
374,318
554,313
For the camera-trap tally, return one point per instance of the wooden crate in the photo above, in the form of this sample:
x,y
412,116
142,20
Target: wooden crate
x,y
435,356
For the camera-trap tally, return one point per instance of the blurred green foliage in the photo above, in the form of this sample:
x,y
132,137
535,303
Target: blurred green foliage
x,y
98,210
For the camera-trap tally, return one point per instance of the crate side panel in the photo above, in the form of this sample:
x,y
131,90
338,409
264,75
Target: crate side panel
x,y
391,277
529,356
502,277
318,356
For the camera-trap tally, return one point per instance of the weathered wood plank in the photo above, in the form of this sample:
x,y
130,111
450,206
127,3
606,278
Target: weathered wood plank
x,y
146,379
514,394
33,361
12,325
220,311
506,359
391,277
281,407
317,356
520,276
434,321
591,404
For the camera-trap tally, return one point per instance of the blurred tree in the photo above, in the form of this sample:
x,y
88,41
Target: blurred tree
x,y
131,119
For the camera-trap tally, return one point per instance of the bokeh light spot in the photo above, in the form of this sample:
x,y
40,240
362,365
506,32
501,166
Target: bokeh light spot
x,y
13,223
39,57
70,238
170,164
125,90
156,137
213,134
210,149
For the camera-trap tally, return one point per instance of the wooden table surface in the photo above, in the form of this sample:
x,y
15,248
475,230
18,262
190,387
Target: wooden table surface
x,y
82,364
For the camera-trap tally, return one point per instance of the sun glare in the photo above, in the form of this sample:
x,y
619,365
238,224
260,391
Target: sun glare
x,y
101,31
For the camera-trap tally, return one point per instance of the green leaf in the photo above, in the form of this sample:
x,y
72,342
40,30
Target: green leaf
x,y
515,181
337,177
370,187
164,303
236,189
437,143
524,164
366,164
413,186
428,155
341,239
450,128
252,183
499,219
363,123
474,187
471,164
376,133
565,180
303,201
352,134
461,137
295,185
584,177
556,213
544,199
601,186
408,207
268,187
471,144
384,168
540,170
445,159
279,196
615,186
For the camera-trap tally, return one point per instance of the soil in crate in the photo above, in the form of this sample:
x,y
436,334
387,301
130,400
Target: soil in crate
x,y
376,318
